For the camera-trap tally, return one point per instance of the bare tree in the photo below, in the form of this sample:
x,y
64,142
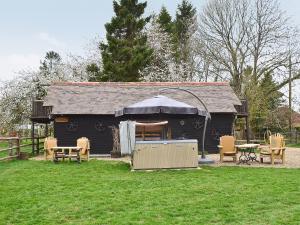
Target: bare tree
x,y
241,34
223,29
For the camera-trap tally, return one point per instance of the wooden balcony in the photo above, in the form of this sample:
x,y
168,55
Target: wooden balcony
x,y
242,110
40,113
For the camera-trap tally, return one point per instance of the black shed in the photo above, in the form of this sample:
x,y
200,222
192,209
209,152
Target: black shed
x,y
88,110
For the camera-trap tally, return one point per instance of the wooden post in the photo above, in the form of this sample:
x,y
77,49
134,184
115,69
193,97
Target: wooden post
x,y
32,137
46,130
290,95
38,145
247,122
247,130
10,145
18,149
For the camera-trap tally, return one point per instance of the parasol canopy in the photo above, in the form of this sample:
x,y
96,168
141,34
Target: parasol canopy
x,y
160,104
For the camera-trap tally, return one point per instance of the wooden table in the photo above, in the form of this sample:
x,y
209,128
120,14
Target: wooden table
x,y
66,152
247,153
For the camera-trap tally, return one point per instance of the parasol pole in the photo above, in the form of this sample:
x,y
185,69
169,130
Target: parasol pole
x,y
203,159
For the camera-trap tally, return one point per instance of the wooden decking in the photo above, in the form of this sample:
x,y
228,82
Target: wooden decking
x,y
242,110
40,113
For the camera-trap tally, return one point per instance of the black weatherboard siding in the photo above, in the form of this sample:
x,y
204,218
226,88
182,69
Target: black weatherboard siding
x,y
191,127
220,124
97,128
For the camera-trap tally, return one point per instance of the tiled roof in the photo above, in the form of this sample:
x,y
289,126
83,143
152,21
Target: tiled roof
x,y
107,97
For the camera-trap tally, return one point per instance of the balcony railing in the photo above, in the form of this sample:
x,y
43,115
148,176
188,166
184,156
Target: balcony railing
x,y
242,110
39,111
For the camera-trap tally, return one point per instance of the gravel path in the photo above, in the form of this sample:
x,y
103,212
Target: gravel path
x,y
292,160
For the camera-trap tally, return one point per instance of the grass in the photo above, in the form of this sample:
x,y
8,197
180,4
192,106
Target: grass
x,y
100,192
294,145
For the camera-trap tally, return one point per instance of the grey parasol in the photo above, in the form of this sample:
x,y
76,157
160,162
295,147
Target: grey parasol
x,y
160,104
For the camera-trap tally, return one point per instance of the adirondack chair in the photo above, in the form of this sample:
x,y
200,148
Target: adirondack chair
x,y
227,147
275,150
84,144
49,143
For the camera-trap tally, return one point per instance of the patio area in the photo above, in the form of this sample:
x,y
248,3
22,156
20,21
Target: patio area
x,y
292,160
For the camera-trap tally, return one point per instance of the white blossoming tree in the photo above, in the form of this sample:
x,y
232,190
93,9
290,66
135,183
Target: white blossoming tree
x,y
162,66
17,94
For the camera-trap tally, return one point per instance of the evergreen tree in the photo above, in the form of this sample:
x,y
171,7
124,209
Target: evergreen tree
x,y
126,53
185,18
48,65
184,28
165,20
94,73
272,98
261,103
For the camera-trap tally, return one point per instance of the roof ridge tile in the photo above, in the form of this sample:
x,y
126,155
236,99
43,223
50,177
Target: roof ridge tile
x,y
137,84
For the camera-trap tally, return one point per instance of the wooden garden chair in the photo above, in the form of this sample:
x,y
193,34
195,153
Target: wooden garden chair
x,y
84,144
49,143
275,150
227,147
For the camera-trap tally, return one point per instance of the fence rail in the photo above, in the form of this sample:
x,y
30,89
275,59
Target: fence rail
x,y
15,146
290,137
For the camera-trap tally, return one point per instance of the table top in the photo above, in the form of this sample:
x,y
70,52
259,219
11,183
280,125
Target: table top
x,y
247,146
64,147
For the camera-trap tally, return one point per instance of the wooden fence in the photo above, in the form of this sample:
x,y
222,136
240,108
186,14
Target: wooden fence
x,y
16,146
290,137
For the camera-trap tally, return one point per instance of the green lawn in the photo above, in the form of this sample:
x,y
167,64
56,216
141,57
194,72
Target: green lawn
x,y
294,145
99,192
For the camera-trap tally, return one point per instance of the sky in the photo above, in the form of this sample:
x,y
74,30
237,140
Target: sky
x,y
28,29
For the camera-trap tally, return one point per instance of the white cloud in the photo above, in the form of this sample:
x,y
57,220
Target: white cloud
x,y
50,40
11,64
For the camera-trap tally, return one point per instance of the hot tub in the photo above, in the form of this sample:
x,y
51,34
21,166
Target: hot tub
x,y
165,154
